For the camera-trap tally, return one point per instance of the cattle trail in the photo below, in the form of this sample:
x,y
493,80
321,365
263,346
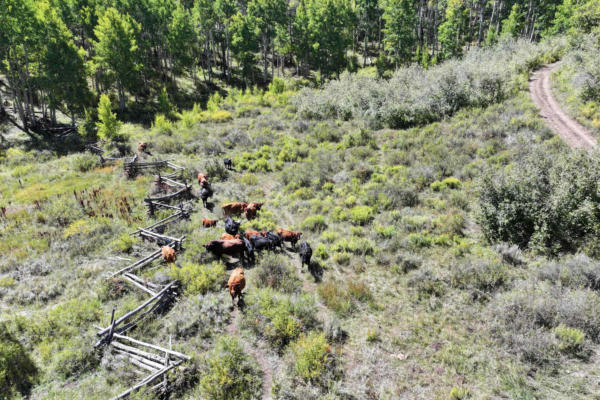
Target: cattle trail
x,y
267,372
575,135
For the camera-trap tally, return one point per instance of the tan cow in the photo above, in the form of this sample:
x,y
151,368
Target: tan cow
x,y
168,254
236,283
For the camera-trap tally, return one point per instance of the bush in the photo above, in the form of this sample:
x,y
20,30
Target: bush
x,y
279,318
312,356
108,125
314,223
545,202
571,340
125,243
361,215
344,298
448,183
84,162
274,272
229,373
162,125
415,95
199,279
18,373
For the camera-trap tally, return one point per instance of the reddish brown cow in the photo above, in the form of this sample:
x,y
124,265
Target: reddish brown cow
x,y
168,254
236,283
252,209
289,236
250,232
209,223
203,180
236,208
227,236
142,146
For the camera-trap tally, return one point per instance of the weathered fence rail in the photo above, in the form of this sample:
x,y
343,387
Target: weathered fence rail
x,y
140,354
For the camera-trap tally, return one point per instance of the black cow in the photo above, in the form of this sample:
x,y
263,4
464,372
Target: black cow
x,y
249,250
261,243
231,226
305,254
275,239
228,163
205,194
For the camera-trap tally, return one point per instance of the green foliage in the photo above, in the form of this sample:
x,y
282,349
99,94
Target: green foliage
x,y
400,38
459,393
275,272
125,243
199,279
361,215
513,25
18,372
279,318
571,340
165,107
162,125
229,373
84,162
312,356
108,125
542,203
344,298
315,223
447,183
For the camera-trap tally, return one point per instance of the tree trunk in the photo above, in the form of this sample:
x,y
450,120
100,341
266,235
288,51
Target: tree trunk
x,y
480,33
121,96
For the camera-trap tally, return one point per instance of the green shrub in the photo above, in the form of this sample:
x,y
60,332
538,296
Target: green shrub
x,y
543,202
343,298
108,125
312,356
229,373
221,116
448,183
18,372
274,271
459,393
571,340
321,252
199,279
361,215
314,223
125,243
278,317
84,162
162,125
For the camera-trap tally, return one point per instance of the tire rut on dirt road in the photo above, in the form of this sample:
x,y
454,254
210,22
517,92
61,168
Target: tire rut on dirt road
x,y
570,130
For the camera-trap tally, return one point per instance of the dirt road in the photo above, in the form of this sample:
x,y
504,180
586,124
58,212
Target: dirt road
x,y
570,130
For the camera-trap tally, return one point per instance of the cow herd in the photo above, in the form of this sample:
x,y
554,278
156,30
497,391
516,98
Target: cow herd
x,y
244,246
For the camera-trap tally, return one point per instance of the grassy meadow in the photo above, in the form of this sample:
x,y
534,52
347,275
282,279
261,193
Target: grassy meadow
x,y
438,270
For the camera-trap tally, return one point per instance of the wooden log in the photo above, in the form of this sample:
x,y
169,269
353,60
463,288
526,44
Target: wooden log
x,y
152,346
139,285
155,235
141,281
138,363
147,380
137,309
178,193
140,263
170,182
155,359
164,220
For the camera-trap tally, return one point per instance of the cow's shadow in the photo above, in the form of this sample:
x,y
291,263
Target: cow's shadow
x,y
210,206
316,270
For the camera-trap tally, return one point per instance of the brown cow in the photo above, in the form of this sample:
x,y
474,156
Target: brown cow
x,y
168,254
142,146
232,247
236,284
252,209
203,180
250,232
209,223
227,236
289,236
236,208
